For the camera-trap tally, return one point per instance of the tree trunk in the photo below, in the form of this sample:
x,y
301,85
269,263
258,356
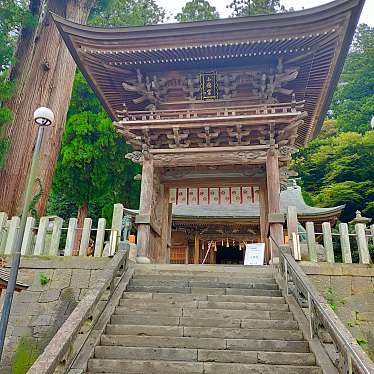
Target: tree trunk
x,y
82,214
44,75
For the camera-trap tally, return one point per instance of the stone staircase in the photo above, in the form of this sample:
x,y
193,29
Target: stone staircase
x,y
202,319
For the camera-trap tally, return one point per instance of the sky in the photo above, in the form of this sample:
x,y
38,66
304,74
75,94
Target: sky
x,y
172,7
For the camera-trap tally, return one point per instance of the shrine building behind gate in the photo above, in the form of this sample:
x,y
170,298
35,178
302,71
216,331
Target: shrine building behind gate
x,y
216,104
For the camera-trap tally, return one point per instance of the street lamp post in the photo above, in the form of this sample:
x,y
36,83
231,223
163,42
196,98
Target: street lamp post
x,y
43,117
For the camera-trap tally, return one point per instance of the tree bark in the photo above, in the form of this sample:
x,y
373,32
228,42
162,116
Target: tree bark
x,y
44,76
82,214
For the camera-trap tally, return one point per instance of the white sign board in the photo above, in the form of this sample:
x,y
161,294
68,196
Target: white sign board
x,y
254,254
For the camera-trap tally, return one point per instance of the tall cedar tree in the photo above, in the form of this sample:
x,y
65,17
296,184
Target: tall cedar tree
x,y
197,10
92,158
12,16
44,75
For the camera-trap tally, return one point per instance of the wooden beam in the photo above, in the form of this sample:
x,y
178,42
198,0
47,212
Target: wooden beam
x,y
216,182
202,158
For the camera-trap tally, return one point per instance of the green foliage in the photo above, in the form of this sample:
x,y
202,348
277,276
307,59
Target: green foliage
x,y
92,167
362,341
330,296
112,13
26,354
353,103
197,10
255,7
338,170
43,279
83,98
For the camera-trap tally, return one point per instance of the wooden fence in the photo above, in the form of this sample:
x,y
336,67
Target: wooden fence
x,y
51,238
328,242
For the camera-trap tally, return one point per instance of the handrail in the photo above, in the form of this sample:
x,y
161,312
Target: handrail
x,y
353,355
58,353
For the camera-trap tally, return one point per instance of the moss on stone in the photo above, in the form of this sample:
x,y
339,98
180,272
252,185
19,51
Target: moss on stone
x,y
26,354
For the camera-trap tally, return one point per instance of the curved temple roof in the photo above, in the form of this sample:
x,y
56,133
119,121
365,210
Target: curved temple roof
x,y
317,40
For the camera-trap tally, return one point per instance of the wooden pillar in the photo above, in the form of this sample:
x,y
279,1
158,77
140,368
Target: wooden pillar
x,y
145,208
273,187
264,223
165,223
196,250
170,223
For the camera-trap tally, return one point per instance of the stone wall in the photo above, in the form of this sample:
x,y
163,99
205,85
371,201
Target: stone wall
x,y
349,289
56,286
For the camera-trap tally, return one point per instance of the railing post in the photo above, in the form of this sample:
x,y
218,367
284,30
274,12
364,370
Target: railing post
x,y
100,236
26,248
311,241
310,316
40,238
372,233
327,242
286,275
362,244
344,243
85,239
70,238
12,235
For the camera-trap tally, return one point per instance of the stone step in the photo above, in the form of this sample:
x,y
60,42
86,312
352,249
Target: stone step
x,y
133,303
190,297
184,354
207,269
205,290
207,278
205,284
206,313
204,332
172,367
205,343
161,320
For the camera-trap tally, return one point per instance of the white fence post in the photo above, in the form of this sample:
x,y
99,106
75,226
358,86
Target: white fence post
x,y
100,237
117,219
56,235
311,241
85,239
28,236
70,237
3,230
40,237
345,244
362,243
327,242
12,235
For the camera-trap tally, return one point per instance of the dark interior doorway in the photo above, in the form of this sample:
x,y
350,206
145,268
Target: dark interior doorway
x,y
229,255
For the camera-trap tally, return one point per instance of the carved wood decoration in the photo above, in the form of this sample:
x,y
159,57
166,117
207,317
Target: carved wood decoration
x,y
155,90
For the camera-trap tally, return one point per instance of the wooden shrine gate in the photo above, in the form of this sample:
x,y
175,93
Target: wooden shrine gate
x,y
224,101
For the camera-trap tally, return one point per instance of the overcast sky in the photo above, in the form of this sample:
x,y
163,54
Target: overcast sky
x,y
174,6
